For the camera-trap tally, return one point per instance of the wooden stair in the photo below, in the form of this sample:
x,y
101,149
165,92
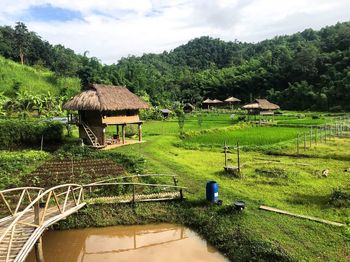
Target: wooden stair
x,y
92,137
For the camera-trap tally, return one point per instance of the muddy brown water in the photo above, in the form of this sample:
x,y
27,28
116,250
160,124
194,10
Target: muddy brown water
x,y
163,242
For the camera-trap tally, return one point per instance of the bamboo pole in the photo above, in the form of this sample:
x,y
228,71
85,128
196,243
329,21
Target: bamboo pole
x,y
238,159
140,132
39,255
298,144
225,151
310,136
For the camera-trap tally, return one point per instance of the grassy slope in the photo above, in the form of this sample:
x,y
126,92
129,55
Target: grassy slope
x,y
33,80
304,191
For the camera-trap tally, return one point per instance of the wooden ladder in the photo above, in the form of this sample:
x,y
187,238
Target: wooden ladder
x,y
92,137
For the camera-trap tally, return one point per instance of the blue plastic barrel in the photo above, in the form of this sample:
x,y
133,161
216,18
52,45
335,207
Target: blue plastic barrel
x,y
212,191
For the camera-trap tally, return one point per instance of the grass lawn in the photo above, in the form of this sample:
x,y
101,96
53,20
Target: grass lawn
x,y
286,182
275,176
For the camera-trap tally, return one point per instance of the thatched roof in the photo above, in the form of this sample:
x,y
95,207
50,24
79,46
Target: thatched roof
x,y
216,101
166,111
232,99
188,105
262,104
106,98
208,101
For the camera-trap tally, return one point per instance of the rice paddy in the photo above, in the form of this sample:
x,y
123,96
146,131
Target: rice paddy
x,y
247,136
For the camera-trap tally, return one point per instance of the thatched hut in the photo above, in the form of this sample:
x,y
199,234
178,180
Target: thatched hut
x,y
207,102
231,101
104,105
261,107
188,108
166,112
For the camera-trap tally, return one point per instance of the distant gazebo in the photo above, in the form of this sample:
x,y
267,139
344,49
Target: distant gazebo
x,y
188,108
231,101
166,112
104,105
207,102
261,107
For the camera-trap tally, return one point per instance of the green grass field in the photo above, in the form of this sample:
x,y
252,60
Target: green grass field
x,y
246,136
276,176
278,179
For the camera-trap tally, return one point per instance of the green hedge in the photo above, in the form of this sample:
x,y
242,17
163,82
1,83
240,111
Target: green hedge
x,y
15,132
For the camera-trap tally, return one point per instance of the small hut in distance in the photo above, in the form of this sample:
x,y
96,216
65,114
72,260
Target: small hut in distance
x,y
188,108
207,102
231,101
104,105
166,112
261,107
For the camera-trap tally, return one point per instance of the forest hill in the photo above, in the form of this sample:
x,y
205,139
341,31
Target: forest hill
x,y
308,70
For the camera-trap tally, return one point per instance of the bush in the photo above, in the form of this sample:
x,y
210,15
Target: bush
x,y
16,133
241,118
14,165
315,117
340,197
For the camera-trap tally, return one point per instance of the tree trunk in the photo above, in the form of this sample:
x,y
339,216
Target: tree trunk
x,y
21,55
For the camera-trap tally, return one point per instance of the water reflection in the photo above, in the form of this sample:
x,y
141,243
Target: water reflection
x,y
163,242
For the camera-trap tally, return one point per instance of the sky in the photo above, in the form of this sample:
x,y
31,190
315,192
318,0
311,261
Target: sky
x,y
111,29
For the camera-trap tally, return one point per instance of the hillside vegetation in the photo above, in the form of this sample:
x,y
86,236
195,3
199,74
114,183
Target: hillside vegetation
x,y
15,77
303,71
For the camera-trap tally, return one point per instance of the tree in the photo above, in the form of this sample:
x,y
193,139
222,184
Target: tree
x,y
21,39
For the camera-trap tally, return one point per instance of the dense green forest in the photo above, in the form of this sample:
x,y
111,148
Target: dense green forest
x,y
309,70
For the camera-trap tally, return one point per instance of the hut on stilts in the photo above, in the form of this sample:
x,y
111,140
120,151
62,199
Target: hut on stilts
x,y
104,105
261,107
231,101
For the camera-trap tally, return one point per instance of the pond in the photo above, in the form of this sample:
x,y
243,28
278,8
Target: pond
x,y
162,242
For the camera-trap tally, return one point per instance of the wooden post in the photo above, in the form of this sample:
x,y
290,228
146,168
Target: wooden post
x,y
39,255
316,136
310,136
225,151
175,180
123,133
140,131
133,193
304,141
42,143
238,160
298,144
117,130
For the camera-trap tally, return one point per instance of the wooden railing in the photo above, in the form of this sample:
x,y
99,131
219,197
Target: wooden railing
x,y
15,199
47,208
160,191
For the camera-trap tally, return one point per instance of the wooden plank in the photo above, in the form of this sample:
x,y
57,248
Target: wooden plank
x,y
279,211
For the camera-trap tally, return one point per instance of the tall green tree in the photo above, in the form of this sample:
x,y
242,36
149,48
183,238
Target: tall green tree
x,y
21,40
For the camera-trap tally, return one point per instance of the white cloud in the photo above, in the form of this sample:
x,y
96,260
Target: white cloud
x,y
112,29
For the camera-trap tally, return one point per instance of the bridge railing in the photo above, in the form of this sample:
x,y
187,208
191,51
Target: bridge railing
x,y
132,189
56,202
14,200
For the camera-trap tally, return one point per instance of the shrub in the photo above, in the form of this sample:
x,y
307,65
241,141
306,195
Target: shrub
x,y
340,197
272,172
241,118
16,133
315,117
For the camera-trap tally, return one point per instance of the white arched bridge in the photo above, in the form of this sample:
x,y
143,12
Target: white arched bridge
x,y
28,211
